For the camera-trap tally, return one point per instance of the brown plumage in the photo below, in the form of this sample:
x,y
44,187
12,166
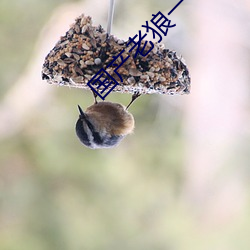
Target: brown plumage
x,y
111,117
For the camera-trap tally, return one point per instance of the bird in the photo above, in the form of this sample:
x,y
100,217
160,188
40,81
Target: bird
x,y
104,124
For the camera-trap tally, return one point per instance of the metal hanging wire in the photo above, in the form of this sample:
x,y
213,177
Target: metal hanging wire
x,y
110,16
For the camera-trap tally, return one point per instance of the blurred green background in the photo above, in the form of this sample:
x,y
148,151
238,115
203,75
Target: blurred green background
x,y
181,181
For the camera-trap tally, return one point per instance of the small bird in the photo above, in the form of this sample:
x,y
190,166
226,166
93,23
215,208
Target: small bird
x,y
104,124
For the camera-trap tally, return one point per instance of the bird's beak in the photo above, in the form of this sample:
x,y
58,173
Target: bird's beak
x,y
82,115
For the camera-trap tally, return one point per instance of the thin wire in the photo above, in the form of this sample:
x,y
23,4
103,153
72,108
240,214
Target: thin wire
x,y
110,15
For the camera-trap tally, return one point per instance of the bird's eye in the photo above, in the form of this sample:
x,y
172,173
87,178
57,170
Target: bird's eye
x,y
82,133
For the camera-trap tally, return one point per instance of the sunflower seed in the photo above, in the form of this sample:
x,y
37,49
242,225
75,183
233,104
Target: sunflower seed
x,y
134,72
85,46
88,62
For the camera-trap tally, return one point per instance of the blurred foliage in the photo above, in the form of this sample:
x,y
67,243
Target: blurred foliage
x,y
20,23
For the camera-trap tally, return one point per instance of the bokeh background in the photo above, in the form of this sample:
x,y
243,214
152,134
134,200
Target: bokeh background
x,y
180,182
